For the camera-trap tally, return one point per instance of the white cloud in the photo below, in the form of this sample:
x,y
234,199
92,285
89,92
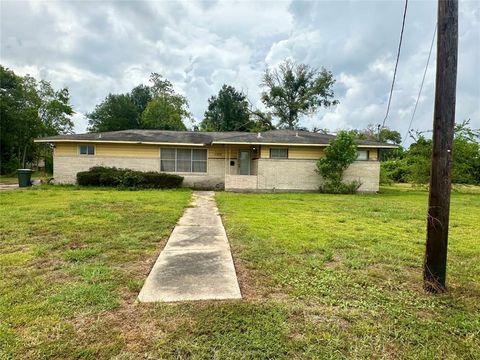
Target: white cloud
x,y
107,47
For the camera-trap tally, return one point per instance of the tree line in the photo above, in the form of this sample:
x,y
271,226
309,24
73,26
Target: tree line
x,y
31,108
289,91
413,164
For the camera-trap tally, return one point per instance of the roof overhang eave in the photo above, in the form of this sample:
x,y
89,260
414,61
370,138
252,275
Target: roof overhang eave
x,y
100,141
383,146
262,143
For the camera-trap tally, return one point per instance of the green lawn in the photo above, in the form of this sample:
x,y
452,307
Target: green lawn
x,y
346,270
323,277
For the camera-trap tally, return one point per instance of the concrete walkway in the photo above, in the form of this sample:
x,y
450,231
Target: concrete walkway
x,y
196,263
8,186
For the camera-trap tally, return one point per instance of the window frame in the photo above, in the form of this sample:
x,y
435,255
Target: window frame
x,y
192,161
278,157
87,146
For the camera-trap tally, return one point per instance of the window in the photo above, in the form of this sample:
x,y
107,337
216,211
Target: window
x,y
183,160
199,160
167,160
87,150
362,155
279,153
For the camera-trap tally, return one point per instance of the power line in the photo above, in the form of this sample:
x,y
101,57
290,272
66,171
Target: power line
x,y
421,86
396,63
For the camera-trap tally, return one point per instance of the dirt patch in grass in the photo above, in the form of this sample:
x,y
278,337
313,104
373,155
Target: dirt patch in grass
x,y
247,289
334,262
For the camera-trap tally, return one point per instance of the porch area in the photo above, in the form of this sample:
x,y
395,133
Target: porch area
x,y
241,167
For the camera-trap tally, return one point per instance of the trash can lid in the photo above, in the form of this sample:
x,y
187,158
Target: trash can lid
x,y
24,169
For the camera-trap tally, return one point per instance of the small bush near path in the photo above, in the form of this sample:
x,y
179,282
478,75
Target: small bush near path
x,y
126,178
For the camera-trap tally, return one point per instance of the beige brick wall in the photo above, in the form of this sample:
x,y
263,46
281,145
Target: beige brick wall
x,y
241,182
288,174
291,174
367,172
65,168
301,175
213,179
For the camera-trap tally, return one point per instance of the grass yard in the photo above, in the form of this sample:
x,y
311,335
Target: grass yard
x,y
345,272
324,277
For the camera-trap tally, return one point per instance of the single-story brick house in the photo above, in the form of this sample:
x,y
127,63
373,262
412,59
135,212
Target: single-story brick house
x,y
269,161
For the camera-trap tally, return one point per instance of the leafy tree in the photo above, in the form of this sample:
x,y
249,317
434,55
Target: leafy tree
x,y
167,109
116,112
227,111
129,111
140,96
29,109
385,134
262,121
418,160
390,136
163,115
296,89
339,155
373,133
414,164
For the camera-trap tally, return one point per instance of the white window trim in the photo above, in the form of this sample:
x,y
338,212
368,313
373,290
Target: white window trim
x,y
191,161
80,153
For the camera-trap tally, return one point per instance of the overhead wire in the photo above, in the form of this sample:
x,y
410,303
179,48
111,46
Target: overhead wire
x,y
396,63
421,86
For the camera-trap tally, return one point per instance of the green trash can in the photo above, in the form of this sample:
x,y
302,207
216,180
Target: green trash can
x,y
24,177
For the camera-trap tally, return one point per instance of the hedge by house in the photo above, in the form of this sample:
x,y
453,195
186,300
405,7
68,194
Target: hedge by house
x,y
111,176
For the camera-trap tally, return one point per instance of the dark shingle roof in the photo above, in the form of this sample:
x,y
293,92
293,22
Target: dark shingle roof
x,y
203,138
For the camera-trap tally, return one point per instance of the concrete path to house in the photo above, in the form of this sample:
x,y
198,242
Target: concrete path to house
x,y
8,186
196,263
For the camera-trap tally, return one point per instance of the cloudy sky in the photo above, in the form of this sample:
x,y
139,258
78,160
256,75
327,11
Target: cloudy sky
x,y
95,48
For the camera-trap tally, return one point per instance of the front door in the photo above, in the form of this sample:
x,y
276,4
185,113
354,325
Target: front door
x,y
244,162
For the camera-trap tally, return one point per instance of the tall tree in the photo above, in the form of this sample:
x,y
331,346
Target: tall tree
x,y
167,110
162,114
262,121
116,112
55,110
227,111
385,134
294,89
140,96
29,109
157,106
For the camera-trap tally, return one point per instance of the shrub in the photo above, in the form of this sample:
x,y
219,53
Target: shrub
x,y
110,176
341,153
88,178
167,181
397,170
340,187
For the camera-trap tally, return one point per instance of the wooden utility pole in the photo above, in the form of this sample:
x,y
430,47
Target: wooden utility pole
x,y
435,264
